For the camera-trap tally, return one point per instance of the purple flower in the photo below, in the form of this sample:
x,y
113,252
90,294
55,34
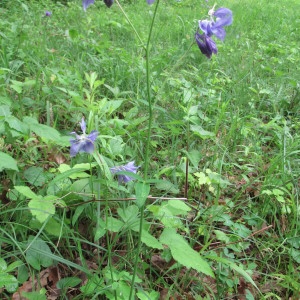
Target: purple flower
x,y
83,142
87,3
223,17
215,27
150,1
48,13
130,167
206,45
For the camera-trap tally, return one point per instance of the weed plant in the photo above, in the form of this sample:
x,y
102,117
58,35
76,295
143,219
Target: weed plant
x,y
211,210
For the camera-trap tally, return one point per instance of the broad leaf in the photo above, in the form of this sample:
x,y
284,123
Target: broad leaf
x,y
7,162
26,191
183,253
42,208
142,191
37,253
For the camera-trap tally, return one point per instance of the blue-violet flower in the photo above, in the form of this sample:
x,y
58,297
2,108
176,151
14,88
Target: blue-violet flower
x,y
206,45
83,142
215,27
223,17
130,167
48,13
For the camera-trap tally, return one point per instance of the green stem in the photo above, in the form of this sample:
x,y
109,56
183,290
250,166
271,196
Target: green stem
x,y
130,23
147,148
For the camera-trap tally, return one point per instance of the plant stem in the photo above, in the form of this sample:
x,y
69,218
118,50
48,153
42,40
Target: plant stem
x,y
147,147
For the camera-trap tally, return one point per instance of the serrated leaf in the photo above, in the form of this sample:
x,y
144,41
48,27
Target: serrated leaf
x,y
35,176
16,124
45,132
7,162
8,281
204,134
113,224
142,191
151,241
167,186
68,282
183,253
25,191
178,207
38,253
5,111
42,208
221,236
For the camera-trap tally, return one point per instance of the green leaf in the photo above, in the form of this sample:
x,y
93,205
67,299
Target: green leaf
x,y
26,191
3,265
35,176
168,186
16,124
41,130
151,241
142,191
113,224
7,162
5,111
233,266
42,208
129,214
40,295
67,282
8,281
183,253
144,295
37,253
178,207
198,130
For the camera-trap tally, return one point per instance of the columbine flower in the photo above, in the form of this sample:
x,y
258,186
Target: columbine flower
x,y
206,44
130,167
83,142
215,27
223,17
48,13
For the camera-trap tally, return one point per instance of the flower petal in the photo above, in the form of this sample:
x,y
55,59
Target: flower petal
x,y
150,1
83,125
223,17
219,32
205,26
75,147
206,45
87,146
108,3
87,3
93,135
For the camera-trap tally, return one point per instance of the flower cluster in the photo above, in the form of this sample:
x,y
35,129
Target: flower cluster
x,y
83,142
218,19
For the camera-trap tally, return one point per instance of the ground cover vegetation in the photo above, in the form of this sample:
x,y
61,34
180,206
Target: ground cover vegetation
x,y
181,179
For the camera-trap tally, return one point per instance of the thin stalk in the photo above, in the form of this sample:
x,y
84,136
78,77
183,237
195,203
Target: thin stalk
x,y
147,148
130,23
